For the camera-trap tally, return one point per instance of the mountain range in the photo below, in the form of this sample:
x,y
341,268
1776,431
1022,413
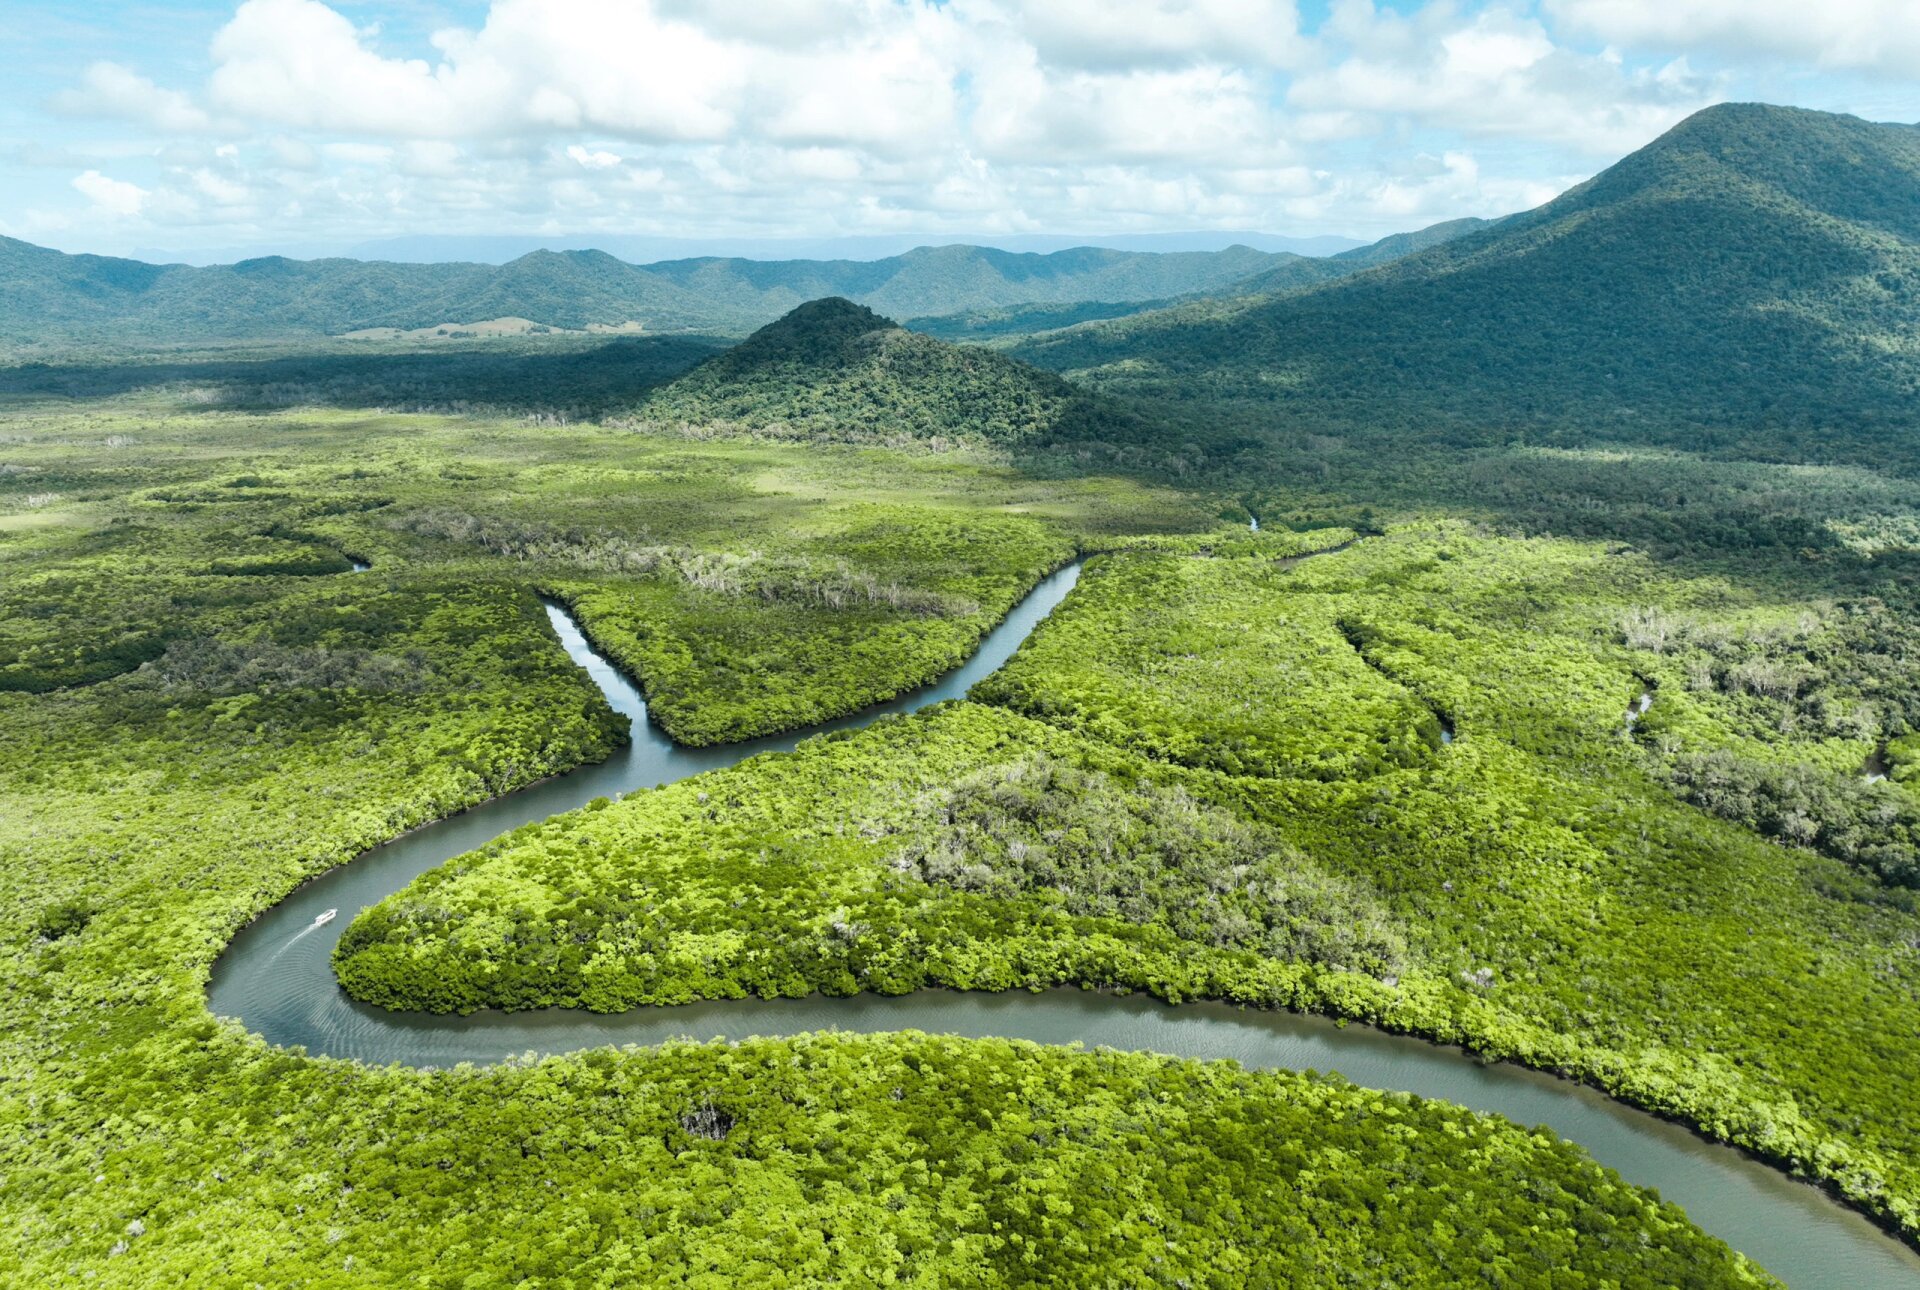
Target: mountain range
x,y
1748,282
641,248
1753,275
49,296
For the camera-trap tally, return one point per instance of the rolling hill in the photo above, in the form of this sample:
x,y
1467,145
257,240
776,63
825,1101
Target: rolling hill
x,y
832,369
1750,279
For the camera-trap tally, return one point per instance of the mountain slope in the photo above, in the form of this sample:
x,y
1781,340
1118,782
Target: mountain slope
x,y
1288,273
1397,245
1752,274
833,369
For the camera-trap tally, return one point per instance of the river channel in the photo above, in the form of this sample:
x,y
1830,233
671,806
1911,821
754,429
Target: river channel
x,y
277,978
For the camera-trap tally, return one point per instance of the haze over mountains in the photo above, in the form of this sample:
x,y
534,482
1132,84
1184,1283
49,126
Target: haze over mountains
x,y
46,294
455,248
1755,267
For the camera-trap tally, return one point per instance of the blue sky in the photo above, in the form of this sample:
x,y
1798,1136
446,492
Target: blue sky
x,y
302,126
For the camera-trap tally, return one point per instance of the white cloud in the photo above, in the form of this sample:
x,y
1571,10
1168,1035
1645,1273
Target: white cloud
x,y
299,63
111,91
220,189
942,116
891,89
1127,34
597,160
1498,73
1032,113
838,165
621,68
1874,35
111,196
295,154
358,154
786,24
1426,189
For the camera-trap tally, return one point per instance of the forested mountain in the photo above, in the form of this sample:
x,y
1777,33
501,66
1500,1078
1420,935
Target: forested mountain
x,y
47,295
1287,273
948,279
1398,245
1752,277
833,369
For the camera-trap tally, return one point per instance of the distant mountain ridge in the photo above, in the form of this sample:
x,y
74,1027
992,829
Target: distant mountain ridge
x,y
640,248
51,296
1290,273
1754,272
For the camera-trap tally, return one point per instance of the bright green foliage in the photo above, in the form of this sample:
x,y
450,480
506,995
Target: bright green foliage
x,y
290,721
753,587
819,871
1558,906
899,1159
1213,663
1759,991
735,649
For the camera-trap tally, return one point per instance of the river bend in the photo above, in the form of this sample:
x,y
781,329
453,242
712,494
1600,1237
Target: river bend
x,y
277,978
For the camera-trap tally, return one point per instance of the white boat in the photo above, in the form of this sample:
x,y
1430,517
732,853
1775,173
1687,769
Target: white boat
x,y
326,918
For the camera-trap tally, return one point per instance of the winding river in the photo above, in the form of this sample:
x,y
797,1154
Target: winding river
x,y
277,978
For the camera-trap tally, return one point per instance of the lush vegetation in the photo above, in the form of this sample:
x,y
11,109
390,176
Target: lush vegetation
x,y
1229,674
287,720
835,370
1141,852
1297,834
1748,283
1408,781
832,869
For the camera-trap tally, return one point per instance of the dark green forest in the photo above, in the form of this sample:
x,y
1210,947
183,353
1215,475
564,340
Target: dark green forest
x,y
1748,285
833,370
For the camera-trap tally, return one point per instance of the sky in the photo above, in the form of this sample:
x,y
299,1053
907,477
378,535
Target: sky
x,y
303,126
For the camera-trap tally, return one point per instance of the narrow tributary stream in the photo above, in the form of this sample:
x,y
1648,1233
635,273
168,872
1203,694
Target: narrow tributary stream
x,y
277,978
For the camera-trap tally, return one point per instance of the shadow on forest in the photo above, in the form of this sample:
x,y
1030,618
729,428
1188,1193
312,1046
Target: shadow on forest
x,y
562,377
